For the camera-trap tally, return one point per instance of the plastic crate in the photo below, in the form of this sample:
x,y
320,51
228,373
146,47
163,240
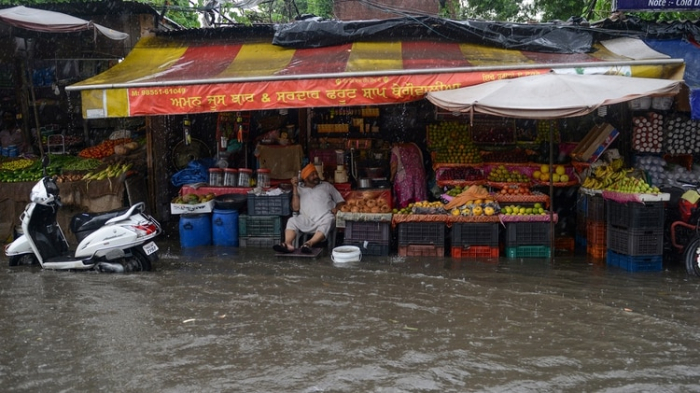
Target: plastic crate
x,y
635,242
474,252
581,224
565,245
259,242
596,209
270,205
369,248
528,234
412,233
375,231
581,242
647,263
596,234
596,251
421,250
582,204
529,252
635,215
259,226
475,234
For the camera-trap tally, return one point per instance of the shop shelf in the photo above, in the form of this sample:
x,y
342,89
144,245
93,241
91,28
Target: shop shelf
x,y
413,233
375,231
646,263
636,242
596,234
528,234
270,205
635,215
475,252
371,248
259,226
258,242
421,250
528,252
475,234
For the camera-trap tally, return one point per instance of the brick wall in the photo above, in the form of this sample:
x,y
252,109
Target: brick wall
x,y
357,10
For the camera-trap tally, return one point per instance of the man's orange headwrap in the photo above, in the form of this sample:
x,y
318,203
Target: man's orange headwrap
x,y
307,171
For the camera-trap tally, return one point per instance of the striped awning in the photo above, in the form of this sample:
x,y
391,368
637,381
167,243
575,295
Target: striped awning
x,y
166,75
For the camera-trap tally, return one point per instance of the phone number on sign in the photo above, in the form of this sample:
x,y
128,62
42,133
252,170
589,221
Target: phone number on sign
x,y
157,92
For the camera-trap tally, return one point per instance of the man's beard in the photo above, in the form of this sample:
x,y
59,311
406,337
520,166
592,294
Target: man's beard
x,y
315,181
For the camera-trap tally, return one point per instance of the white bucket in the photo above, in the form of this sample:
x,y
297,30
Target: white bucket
x,y
345,254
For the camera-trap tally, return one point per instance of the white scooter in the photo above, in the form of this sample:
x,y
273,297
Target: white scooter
x,y
114,241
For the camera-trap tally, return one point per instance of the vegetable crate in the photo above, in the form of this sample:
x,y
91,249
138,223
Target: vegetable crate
x,y
372,237
259,226
370,248
259,242
528,234
529,252
565,245
596,209
636,242
422,233
596,234
475,252
270,205
646,263
475,234
421,250
635,215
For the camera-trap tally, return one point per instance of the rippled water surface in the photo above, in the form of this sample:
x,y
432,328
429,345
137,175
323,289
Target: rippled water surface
x,y
241,320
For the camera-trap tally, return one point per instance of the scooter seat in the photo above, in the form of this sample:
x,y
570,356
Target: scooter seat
x,y
89,222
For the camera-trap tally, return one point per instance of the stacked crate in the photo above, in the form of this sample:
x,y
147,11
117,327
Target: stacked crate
x,y
475,240
421,239
528,239
581,216
372,237
262,227
596,240
635,236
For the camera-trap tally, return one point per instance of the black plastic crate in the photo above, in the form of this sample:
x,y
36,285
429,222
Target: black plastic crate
x,y
258,242
259,226
636,242
475,234
596,209
369,248
635,215
374,231
270,205
528,234
419,233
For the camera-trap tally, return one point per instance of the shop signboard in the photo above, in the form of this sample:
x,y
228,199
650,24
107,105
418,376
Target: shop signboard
x,y
656,5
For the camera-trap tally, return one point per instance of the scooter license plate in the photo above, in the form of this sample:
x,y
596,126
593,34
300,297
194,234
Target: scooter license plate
x,y
150,248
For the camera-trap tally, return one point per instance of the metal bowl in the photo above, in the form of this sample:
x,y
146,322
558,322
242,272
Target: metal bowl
x,y
230,201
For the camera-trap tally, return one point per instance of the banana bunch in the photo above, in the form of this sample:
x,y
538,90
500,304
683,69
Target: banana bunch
x,y
113,170
604,176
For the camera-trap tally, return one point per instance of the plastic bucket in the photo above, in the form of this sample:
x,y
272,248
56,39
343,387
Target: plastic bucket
x,y
345,254
224,227
195,230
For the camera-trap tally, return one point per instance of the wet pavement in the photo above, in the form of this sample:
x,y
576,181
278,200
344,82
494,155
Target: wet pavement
x,y
216,319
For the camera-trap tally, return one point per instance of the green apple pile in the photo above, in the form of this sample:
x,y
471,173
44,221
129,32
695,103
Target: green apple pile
x,y
519,210
501,174
633,185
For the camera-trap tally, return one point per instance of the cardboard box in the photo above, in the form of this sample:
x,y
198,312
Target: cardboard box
x,y
595,143
183,208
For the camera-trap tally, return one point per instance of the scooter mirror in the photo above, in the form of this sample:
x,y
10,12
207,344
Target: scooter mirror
x,y
45,163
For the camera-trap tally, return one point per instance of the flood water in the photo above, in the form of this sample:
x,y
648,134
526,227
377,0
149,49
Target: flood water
x,y
241,320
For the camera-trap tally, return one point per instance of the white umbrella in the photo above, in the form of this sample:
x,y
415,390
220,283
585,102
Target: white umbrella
x,y
550,96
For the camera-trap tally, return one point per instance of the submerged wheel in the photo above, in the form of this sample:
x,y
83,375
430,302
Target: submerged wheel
x,y
691,256
23,260
137,262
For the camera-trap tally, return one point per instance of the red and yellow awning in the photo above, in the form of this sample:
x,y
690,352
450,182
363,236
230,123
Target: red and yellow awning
x,y
164,75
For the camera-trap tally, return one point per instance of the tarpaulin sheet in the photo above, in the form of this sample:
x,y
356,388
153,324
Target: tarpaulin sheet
x,y
176,75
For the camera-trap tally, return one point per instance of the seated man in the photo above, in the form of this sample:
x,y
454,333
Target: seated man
x,y
317,202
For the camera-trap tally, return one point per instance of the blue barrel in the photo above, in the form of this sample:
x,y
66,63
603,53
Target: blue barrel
x,y
12,151
224,224
195,230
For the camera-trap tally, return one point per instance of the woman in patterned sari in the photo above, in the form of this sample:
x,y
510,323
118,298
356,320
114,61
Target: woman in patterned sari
x,y
408,174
